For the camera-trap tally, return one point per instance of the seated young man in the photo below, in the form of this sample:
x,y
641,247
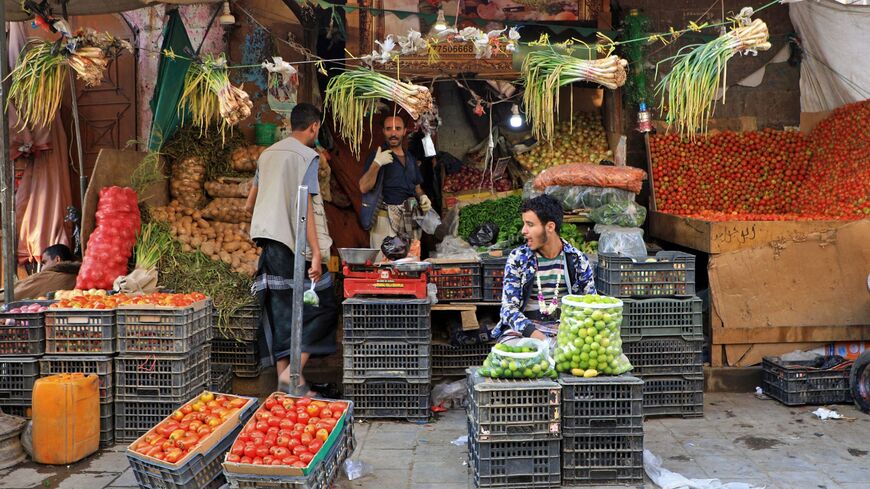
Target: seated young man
x,y
59,272
539,273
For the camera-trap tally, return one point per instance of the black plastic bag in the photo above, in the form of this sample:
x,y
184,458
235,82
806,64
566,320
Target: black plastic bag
x,y
395,247
484,235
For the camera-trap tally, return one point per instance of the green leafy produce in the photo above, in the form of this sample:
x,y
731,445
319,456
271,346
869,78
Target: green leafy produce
x,y
626,214
588,343
504,212
575,238
527,359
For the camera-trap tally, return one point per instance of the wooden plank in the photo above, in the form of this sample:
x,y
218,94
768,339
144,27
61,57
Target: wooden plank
x,y
454,307
469,320
717,355
790,334
720,237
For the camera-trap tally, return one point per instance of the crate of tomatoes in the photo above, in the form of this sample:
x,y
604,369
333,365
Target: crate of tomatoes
x,y
456,280
82,323
163,323
291,442
184,450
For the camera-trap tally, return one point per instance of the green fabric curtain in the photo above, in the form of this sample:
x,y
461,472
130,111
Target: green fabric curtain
x,y
170,82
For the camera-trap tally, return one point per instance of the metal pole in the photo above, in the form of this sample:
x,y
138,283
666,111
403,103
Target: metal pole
x,y
7,186
83,180
298,289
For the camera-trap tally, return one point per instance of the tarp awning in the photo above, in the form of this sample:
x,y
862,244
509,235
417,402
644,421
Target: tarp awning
x,y
93,7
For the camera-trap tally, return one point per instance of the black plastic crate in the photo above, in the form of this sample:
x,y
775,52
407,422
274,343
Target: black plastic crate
x,y
514,464
322,477
17,376
386,360
665,356
387,319
493,278
605,457
601,403
395,399
24,410
458,281
242,357
134,418
80,331
240,326
107,423
796,383
101,366
22,333
514,409
163,331
453,361
646,318
161,377
221,379
673,396
671,274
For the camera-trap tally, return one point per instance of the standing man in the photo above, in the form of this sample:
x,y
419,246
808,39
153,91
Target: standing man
x,y
282,168
391,188
539,273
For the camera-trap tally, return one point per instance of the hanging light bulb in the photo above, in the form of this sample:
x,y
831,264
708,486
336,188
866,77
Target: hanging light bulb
x,y
440,22
516,120
227,17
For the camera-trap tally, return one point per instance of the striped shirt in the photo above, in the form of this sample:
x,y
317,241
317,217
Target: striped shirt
x,y
549,273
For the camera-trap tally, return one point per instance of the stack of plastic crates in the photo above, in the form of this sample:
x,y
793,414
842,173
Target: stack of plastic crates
x,y
22,342
164,361
387,363
514,432
602,430
662,329
235,341
101,366
493,277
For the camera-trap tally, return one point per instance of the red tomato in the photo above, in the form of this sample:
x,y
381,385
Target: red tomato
x,y
270,402
288,460
300,426
300,465
302,417
257,461
286,424
273,431
238,448
250,451
278,410
314,446
281,452
306,438
262,451
291,415
277,462
326,413
282,441
337,414
300,449
246,460
232,457
310,429
327,423
303,401
312,410
322,435
292,442
337,407
306,458
314,420
243,436
274,422
267,460
262,426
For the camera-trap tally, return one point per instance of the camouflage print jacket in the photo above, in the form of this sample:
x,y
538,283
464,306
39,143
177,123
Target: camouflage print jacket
x,y
519,275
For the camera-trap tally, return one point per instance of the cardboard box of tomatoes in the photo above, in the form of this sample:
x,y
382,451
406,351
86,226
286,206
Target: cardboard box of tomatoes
x,y
185,449
287,436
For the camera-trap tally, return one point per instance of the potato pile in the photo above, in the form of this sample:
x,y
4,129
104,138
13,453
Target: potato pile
x,y
228,242
229,210
188,175
228,187
245,158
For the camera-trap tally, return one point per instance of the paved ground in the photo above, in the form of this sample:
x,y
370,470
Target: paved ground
x,y
740,439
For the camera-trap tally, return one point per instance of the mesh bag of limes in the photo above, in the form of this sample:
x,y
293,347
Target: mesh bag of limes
x,y
528,358
588,343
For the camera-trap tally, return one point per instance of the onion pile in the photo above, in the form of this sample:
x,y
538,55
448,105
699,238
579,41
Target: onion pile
x,y
470,178
586,143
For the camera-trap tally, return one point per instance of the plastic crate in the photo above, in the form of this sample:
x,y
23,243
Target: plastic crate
x,y
322,477
601,403
242,325
493,277
17,376
607,457
164,331
514,409
242,357
662,317
107,423
200,471
221,379
516,464
20,410
101,366
798,383
387,360
453,361
393,399
458,281
162,377
80,331
673,396
134,418
671,274
22,333
387,319
665,356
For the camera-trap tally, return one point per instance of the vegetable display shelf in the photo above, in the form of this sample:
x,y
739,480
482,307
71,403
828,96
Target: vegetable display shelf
x,y
514,409
796,383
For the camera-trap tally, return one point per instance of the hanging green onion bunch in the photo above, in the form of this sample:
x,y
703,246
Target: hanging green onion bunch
x,y
688,91
209,96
